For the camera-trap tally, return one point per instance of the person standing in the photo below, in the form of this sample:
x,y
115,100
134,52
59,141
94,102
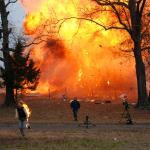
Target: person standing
x,y
75,106
126,112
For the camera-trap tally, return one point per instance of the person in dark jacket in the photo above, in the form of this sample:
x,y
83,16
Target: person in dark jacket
x,y
22,115
75,106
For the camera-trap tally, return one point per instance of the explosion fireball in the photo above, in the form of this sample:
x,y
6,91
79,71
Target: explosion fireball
x,y
77,57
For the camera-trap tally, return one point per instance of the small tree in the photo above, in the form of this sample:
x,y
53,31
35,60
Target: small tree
x,y
25,74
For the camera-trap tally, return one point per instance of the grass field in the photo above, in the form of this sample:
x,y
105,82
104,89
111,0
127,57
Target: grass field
x,y
82,139
79,140
44,110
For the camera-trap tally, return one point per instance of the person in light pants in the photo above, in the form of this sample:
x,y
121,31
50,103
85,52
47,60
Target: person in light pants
x,y
22,115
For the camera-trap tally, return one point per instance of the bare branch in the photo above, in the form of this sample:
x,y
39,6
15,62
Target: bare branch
x,y
88,19
11,2
114,6
107,3
142,7
37,40
119,18
127,18
127,51
145,48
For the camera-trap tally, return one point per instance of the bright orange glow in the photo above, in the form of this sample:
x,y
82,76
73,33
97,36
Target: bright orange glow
x,y
108,82
80,59
28,111
33,23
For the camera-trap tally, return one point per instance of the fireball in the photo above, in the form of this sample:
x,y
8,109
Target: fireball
x,y
76,54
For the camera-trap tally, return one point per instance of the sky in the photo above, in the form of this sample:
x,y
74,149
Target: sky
x,y
17,15
16,18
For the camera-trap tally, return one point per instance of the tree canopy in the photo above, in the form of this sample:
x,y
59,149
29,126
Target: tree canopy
x,y
25,74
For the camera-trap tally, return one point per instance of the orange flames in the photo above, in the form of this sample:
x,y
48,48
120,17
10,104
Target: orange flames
x,y
108,82
82,56
28,111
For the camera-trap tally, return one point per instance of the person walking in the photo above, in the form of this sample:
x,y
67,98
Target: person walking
x,y
23,113
75,106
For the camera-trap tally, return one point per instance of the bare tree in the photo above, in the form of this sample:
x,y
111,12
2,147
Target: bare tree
x,y
132,16
5,32
129,16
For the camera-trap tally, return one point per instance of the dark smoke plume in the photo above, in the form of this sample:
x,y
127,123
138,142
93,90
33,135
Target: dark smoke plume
x,y
56,48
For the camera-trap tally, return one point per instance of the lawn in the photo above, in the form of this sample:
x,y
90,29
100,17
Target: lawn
x,y
45,111
57,111
79,140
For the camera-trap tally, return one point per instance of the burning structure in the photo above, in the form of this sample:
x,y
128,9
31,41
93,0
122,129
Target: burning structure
x,y
77,57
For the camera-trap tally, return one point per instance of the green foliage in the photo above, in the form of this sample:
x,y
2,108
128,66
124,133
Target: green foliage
x,y
25,74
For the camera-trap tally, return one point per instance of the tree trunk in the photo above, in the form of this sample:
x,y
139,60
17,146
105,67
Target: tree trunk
x,y
16,95
9,99
141,77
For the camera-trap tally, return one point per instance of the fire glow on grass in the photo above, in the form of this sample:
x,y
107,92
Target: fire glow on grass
x,y
82,56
